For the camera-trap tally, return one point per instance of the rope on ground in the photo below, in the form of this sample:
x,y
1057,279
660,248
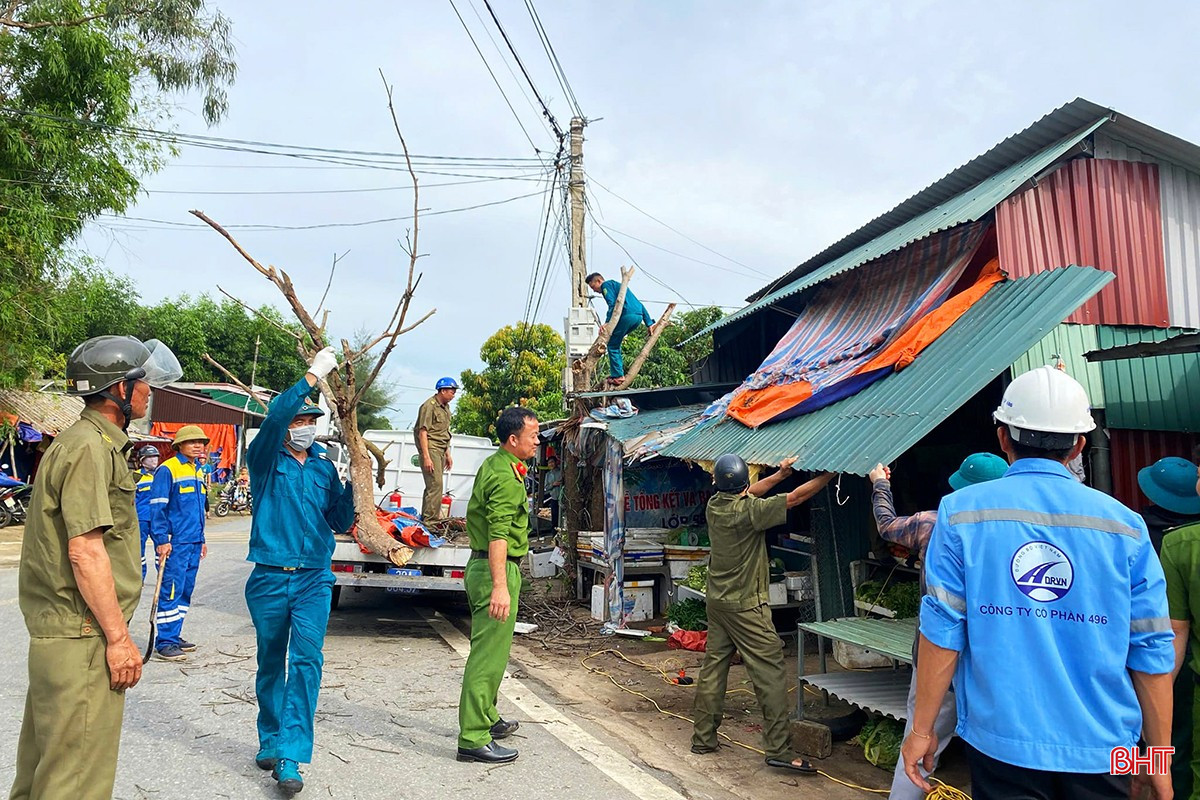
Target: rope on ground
x,y
727,737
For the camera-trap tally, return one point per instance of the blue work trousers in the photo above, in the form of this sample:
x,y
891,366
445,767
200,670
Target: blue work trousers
x,y
144,524
175,597
627,322
290,609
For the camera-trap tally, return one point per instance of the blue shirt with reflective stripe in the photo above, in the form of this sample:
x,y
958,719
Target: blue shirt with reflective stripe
x,y
1050,592
297,507
142,496
177,502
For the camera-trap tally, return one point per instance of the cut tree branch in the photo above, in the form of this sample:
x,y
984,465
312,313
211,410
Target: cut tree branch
x,y
232,378
655,332
262,316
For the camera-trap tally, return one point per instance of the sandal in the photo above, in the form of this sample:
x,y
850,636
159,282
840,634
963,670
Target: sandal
x,y
804,766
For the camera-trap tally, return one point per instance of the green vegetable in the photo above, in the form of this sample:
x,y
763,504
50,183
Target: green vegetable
x,y
902,598
881,738
697,578
690,614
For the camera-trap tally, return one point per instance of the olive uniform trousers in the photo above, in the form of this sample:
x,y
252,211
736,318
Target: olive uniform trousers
x,y
431,502
491,641
751,633
72,727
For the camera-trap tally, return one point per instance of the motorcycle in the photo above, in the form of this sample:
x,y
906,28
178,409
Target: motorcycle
x,y
14,504
234,497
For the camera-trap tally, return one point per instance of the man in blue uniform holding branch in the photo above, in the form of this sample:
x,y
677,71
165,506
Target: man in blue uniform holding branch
x,y
1047,606
633,313
299,502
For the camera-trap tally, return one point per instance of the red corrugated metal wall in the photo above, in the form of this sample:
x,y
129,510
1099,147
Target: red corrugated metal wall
x,y
1132,450
1095,213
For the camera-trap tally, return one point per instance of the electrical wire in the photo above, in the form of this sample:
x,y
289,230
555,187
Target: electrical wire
x,y
633,260
647,214
555,64
494,79
545,108
508,67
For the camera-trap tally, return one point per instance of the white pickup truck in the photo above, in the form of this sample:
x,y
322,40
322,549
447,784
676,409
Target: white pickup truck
x,y
431,568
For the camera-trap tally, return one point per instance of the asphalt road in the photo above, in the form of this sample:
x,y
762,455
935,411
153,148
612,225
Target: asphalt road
x,y
387,718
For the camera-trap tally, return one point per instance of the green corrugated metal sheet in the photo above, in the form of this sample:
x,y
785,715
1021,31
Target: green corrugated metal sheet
x,y
890,416
645,422
968,206
1069,342
1160,393
235,399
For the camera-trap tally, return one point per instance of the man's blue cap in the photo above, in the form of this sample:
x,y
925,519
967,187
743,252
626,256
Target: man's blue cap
x,y
978,468
446,383
1170,483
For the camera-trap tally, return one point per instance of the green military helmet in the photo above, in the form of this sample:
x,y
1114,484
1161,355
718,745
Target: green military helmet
x,y
309,409
103,361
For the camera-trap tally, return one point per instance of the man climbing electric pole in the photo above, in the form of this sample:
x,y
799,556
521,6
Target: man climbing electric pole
x,y
633,313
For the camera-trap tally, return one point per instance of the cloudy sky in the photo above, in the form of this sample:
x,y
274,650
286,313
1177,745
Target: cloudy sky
x,y
760,132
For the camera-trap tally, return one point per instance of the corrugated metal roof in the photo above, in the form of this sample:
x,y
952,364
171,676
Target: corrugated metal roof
x,y
1179,192
968,206
179,406
235,398
645,422
890,416
1048,130
1183,343
1099,213
1071,343
1160,393
1132,450
49,412
890,637
881,690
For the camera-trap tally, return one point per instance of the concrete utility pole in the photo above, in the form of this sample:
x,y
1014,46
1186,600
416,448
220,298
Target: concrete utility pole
x,y
575,183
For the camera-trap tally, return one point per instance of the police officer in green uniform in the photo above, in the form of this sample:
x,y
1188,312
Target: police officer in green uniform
x,y
739,618
432,434
498,526
81,577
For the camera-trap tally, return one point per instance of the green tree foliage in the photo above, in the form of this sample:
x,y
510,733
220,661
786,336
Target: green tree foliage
x,y
670,363
523,365
77,76
93,302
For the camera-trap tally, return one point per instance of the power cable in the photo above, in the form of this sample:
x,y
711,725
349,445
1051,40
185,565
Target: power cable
x,y
508,67
633,260
591,179
494,80
545,109
555,64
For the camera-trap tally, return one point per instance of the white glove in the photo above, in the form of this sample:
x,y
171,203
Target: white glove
x,y
323,363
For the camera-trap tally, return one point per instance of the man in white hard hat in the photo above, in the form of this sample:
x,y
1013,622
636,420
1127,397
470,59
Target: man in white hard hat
x,y
1047,606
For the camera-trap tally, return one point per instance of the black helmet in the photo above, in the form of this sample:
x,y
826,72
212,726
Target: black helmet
x,y
147,451
103,361
731,474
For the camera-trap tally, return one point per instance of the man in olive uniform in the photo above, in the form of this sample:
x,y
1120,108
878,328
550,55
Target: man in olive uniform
x,y
432,433
80,577
739,618
498,526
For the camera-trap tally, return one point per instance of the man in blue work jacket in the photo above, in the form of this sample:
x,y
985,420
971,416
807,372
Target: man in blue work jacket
x,y
633,313
147,460
299,502
1047,606
177,498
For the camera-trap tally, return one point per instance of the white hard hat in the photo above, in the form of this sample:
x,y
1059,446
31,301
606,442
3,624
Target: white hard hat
x,y
1046,399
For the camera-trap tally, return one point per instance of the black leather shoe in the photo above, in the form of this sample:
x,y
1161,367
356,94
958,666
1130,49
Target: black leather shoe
x,y
503,729
490,753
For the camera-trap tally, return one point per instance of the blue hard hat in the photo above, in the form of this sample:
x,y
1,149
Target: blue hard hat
x,y
446,383
978,468
1171,484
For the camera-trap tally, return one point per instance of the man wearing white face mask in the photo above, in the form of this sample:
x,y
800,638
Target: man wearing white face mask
x,y
299,502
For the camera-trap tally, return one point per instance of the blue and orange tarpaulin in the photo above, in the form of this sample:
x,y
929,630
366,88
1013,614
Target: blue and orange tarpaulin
x,y
862,326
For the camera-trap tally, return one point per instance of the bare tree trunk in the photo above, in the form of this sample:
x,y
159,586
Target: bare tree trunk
x,y
663,321
371,534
